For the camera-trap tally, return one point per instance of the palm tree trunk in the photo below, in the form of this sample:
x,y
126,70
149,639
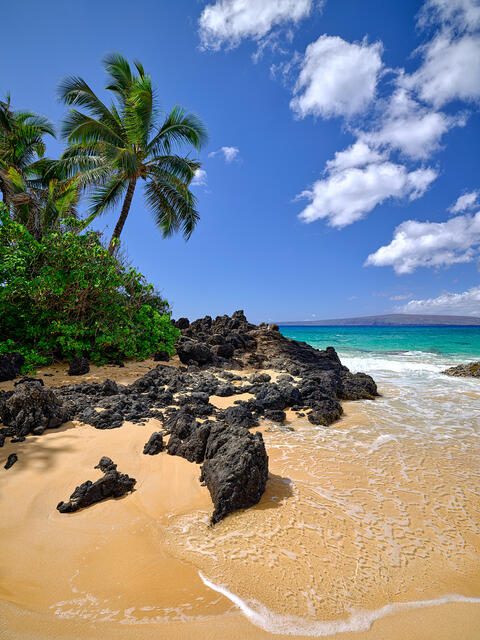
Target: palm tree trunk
x,y
123,214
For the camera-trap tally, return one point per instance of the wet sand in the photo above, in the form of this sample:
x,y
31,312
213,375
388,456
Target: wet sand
x,y
341,528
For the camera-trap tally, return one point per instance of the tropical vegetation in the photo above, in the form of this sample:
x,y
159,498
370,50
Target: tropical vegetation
x,y
63,292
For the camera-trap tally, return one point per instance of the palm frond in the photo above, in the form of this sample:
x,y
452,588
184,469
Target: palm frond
x,y
139,111
179,128
78,127
182,168
73,90
118,68
173,207
107,195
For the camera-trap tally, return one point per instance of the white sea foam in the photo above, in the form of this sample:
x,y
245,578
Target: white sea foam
x,y
289,625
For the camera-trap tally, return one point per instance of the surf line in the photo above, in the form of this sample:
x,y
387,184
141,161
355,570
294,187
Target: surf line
x,y
262,617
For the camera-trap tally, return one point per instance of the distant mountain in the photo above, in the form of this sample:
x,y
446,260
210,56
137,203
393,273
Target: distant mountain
x,y
389,320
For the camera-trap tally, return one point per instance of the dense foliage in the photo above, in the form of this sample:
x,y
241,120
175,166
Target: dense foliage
x,y
64,295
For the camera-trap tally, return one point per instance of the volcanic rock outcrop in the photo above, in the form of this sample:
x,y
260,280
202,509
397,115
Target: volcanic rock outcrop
x,y
78,367
470,370
216,352
30,408
154,444
112,485
10,366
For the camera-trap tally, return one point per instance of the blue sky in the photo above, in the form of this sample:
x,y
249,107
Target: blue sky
x,y
342,134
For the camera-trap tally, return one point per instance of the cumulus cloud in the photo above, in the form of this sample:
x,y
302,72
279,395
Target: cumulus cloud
x,y
337,78
347,195
200,178
357,155
465,303
227,22
451,70
229,153
413,129
430,244
465,202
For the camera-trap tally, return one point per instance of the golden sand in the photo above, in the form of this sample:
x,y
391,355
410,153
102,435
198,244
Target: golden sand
x,y
341,528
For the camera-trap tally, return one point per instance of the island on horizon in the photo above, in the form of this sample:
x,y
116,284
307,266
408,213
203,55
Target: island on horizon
x,y
389,320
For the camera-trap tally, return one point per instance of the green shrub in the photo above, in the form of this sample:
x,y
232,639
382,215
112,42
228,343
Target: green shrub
x,y
65,296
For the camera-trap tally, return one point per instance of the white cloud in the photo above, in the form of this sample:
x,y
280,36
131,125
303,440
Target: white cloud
x,y
357,155
461,14
200,178
229,153
229,21
430,244
451,69
465,202
337,77
406,125
466,303
401,296
347,195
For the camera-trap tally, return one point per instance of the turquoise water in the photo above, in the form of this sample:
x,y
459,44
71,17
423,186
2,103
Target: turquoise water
x,y
446,342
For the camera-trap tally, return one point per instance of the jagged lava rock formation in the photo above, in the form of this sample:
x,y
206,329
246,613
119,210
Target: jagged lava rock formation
x,y
112,485
235,463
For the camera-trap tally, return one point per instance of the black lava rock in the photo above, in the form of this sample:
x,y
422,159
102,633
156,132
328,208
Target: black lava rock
x,y
10,365
12,458
161,356
78,367
154,444
357,386
235,470
240,416
112,485
182,323
275,415
190,444
191,352
223,350
32,408
325,412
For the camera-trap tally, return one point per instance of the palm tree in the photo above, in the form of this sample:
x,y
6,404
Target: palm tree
x,y
21,144
41,203
113,148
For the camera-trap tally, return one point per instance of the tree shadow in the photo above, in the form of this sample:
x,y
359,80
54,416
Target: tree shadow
x,y
39,450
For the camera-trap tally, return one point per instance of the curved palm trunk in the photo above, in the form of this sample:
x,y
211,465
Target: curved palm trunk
x,y
123,214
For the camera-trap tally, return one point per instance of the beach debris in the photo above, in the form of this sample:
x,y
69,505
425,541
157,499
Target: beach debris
x,y
12,458
112,485
78,367
235,470
10,365
31,408
470,370
154,444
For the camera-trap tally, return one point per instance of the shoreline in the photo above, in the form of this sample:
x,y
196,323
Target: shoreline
x,y
356,517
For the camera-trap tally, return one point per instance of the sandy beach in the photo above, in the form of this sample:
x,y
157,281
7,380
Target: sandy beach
x,y
337,537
